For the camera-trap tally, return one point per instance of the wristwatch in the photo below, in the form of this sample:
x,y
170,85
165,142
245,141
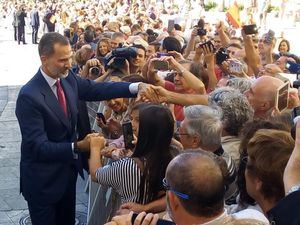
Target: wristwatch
x,y
293,189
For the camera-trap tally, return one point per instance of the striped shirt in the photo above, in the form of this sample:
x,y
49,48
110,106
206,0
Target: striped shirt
x,y
124,176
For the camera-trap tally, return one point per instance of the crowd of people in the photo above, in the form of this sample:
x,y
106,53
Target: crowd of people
x,y
191,124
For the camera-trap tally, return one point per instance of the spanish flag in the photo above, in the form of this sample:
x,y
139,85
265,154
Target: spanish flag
x,y
233,15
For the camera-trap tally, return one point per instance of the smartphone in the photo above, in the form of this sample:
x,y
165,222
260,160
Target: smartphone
x,y
128,135
270,36
101,116
209,44
159,222
171,24
282,97
160,54
250,29
161,65
235,67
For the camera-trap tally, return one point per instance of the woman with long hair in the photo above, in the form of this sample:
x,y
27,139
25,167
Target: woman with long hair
x,y
138,178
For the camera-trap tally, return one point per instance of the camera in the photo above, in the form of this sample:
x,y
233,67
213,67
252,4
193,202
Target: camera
x,y
201,32
119,56
296,84
221,56
95,71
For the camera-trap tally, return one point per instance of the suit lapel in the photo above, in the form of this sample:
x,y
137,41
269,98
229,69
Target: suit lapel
x,y
52,101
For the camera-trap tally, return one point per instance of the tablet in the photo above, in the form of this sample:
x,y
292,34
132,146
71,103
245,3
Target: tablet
x,y
282,97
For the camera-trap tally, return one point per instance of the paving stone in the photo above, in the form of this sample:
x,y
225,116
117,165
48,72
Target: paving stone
x,y
16,203
4,206
10,193
16,215
81,208
82,198
4,218
6,184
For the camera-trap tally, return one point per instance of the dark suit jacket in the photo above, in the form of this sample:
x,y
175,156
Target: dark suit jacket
x,y
34,18
47,134
286,212
21,18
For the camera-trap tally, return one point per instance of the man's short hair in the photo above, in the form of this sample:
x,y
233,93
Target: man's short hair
x,y
117,35
203,183
269,151
47,42
140,47
171,44
205,122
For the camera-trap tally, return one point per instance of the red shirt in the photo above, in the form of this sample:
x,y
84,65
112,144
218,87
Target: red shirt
x,y
178,109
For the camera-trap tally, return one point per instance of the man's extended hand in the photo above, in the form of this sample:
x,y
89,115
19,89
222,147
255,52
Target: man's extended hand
x,y
146,93
84,145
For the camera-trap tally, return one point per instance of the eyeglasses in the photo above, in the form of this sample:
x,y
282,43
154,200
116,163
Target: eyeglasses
x,y
177,132
168,188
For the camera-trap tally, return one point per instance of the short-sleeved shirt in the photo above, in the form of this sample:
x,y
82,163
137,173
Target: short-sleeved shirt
x,y
124,176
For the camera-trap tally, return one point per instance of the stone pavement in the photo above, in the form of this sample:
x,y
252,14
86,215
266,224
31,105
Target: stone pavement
x,y
12,205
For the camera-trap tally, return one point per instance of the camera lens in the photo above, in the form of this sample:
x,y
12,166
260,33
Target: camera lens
x,y
95,71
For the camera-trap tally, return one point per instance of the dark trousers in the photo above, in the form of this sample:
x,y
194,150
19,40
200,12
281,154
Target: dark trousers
x,y
21,34
35,31
16,33
60,213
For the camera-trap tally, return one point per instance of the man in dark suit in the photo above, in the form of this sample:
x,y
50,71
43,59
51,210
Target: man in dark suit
x,y
49,19
35,24
21,14
47,111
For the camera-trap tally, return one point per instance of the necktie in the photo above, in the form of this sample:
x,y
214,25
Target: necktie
x,y
61,97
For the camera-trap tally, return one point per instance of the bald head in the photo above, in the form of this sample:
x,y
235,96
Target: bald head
x,y
267,86
203,181
262,94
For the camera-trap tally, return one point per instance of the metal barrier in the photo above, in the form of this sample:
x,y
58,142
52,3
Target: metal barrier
x,y
103,201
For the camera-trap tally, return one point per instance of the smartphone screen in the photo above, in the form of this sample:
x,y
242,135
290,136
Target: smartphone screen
x,y
161,65
101,116
282,97
128,135
171,24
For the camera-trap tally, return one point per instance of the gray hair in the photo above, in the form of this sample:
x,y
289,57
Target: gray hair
x,y
241,84
205,122
236,109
